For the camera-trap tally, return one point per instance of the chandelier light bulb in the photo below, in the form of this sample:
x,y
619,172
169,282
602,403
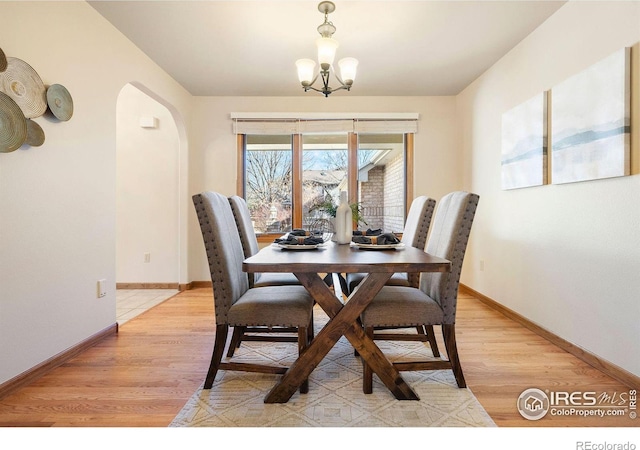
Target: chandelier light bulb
x,y
348,67
306,70
326,51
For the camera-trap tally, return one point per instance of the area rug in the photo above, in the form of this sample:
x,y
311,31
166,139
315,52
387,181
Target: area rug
x,y
335,397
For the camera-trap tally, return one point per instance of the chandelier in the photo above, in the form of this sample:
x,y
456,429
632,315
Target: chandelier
x,y
326,54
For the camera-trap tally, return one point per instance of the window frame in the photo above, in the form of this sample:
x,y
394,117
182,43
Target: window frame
x,y
352,175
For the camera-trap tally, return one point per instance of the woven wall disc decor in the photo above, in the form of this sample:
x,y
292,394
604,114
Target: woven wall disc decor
x,y
13,125
35,134
23,84
60,102
3,61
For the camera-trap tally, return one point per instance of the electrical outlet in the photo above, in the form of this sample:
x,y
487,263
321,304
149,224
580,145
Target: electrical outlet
x,y
147,257
102,288
481,265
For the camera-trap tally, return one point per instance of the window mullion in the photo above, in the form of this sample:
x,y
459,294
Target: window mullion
x,y
352,167
297,181
242,164
408,171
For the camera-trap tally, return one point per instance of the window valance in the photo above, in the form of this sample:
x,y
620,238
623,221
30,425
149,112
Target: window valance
x,y
311,123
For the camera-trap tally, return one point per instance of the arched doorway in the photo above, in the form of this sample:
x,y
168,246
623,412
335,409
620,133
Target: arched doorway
x,y
150,139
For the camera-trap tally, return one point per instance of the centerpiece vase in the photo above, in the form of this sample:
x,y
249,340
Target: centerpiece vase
x,y
344,221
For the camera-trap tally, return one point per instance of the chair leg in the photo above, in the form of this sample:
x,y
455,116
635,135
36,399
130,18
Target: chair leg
x,y
303,341
218,350
304,388
367,373
310,330
236,339
431,336
355,352
449,334
343,285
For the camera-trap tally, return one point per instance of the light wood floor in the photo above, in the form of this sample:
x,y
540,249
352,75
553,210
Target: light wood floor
x,y
143,376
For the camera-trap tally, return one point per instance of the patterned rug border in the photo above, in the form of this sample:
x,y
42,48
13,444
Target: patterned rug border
x,y
335,397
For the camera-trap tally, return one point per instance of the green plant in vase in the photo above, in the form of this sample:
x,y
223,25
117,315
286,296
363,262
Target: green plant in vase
x,y
329,208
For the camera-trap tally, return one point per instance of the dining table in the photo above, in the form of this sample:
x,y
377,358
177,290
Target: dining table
x,y
310,266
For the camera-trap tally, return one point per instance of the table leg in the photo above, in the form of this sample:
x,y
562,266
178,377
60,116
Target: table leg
x,y
343,321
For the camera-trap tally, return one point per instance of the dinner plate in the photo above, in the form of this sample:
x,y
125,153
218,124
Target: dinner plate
x,y
378,247
298,246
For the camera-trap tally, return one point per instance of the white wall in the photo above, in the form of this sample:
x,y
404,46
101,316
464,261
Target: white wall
x,y
564,256
147,191
213,158
57,202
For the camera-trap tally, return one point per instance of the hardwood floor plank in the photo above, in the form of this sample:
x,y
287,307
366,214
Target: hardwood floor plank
x,y
142,376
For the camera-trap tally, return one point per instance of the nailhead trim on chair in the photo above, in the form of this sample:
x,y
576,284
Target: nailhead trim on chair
x,y
449,293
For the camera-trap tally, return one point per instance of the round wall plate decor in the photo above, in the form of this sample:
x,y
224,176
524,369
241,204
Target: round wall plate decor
x,y
35,134
60,102
23,84
13,125
3,61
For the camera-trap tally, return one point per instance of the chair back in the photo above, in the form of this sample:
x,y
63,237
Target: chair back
x,y
224,251
242,216
448,239
416,227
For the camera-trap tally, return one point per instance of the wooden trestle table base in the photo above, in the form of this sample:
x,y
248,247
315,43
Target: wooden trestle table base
x,y
343,317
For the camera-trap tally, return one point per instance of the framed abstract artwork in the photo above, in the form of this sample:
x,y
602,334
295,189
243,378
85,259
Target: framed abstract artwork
x,y
590,117
524,144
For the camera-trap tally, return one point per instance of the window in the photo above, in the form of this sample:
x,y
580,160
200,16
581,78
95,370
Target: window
x,y
324,175
293,180
267,182
381,180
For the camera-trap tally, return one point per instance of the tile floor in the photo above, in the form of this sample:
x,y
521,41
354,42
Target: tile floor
x,y
133,302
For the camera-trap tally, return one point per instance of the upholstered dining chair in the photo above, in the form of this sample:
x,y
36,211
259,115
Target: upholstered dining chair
x,y
250,247
237,305
416,230
435,301
415,233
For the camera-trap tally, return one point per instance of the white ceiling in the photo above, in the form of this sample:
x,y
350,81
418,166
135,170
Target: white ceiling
x,y
249,48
